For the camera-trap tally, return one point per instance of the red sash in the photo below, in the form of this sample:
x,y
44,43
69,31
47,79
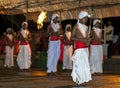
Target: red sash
x,y
95,43
79,44
24,43
54,38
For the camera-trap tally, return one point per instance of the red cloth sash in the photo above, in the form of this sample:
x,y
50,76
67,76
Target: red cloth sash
x,y
24,43
61,50
54,38
95,43
79,44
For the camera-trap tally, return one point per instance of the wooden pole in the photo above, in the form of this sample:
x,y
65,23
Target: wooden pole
x,y
60,17
27,11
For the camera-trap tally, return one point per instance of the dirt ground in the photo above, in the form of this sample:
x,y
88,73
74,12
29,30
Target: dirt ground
x,y
14,78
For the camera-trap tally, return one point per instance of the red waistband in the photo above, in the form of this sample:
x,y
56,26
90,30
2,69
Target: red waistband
x,y
54,38
79,44
24,43
95,43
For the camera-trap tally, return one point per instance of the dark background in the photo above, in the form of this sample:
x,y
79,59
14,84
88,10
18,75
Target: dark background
x,y
15,21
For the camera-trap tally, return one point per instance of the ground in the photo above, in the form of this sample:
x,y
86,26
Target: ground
x,y
35,78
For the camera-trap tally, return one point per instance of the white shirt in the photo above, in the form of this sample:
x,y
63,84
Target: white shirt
x,y
83,29
109,36
55,26
24,33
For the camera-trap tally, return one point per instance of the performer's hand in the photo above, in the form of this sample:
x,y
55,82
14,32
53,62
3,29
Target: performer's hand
x,y
102,41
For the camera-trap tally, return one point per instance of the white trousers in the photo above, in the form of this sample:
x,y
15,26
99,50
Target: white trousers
x,y
67,57
53,55
24,57
96,58
9,60
81,69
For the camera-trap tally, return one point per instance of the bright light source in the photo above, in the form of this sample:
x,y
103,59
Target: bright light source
x,y
41,18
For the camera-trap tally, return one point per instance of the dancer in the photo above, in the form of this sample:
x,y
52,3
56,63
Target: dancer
x,y
81,69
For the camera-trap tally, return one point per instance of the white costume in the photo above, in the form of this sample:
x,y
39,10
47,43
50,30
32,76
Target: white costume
x,y
109,37
96,52
68,50
9,58
24,55
53,48
81,69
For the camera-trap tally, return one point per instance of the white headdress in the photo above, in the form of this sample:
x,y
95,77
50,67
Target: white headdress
x,y
24,23
95,21
9,29
68,25
53,17
82,14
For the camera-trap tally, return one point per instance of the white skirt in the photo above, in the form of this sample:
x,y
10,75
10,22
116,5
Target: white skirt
x,y
96,58
67,57
53,55
9,58
81,69
24,57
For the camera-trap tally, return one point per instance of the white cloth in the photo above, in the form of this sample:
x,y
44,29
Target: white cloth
x,y
82,14
53,55
83,29
95,21
24,33
67,57
109,37
55,26
9,60
24,23
68,25
53,17
98,32
96,58
81,69
24,57
53,51
9,29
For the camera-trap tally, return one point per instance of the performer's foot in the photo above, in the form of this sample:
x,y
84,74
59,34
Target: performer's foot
x,y
79,85
83,84
49,74
98,74
64,70
54,74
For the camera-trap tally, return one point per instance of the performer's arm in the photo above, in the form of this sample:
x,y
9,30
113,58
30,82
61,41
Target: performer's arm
x,y
50,31
60,32
20,37
109,32
95,38
75,37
